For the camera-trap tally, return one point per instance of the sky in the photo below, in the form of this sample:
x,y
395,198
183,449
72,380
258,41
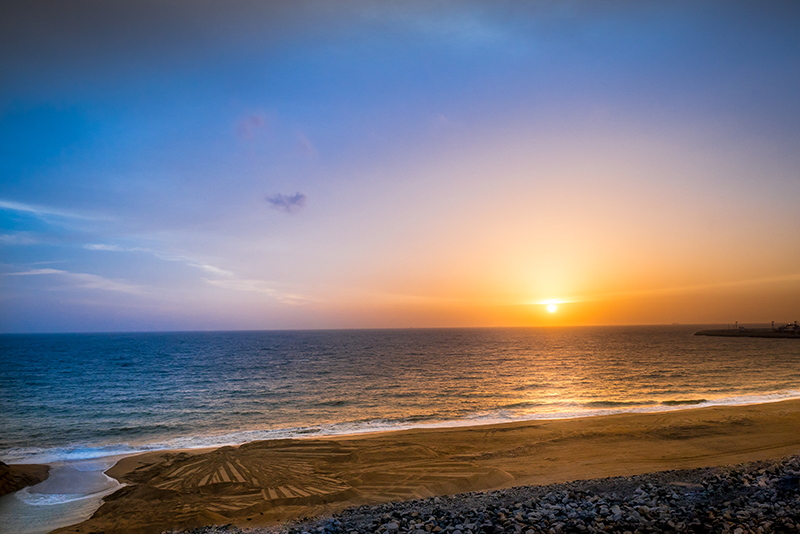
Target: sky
x,y
245,164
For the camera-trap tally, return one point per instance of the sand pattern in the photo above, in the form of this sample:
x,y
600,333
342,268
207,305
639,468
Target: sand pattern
x,y
266,482
271,480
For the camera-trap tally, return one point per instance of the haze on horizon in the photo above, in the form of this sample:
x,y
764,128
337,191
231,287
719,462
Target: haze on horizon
x,y
180,165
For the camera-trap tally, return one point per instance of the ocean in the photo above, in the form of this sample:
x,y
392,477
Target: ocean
x,y
68,397
81,401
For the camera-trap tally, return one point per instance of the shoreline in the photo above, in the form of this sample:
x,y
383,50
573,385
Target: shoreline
x,y
269,482
77,454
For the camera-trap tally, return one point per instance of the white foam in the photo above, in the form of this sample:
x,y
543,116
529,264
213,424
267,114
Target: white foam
x,y
64,454
20,517
49,499
754,399
506,416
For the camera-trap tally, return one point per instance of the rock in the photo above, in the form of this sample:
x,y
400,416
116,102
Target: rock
x,y
15,477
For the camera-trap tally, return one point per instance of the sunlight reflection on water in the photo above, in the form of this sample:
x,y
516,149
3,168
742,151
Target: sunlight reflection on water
x,y
81,396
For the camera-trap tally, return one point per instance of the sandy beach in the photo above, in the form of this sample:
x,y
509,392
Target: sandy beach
x,y
268,482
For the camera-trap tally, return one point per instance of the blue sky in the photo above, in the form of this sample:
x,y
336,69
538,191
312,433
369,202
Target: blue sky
x,y
246,165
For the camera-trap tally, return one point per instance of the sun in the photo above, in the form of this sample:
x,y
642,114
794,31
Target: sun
x,y
552,308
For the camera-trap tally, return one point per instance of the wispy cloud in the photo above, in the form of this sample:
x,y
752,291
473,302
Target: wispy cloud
x,y
84,280
211,269
222,278
289,204
241,284
100,246
258,286
228,280
160,255
37,271
18,238
44,211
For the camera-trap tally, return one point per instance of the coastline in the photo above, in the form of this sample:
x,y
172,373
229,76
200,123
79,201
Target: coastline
x,y
70,493
268,482
43,456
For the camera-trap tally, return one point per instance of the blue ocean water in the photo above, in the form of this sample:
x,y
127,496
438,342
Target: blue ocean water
x,y
78,396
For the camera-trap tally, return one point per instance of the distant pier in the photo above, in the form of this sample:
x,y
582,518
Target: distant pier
x,y
789,330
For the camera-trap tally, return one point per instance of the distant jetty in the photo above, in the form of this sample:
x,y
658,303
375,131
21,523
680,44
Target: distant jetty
x,y
789,330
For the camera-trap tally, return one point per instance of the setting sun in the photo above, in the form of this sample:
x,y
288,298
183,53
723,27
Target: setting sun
x,y
302,219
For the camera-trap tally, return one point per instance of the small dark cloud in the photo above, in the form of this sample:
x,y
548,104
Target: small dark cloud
x,y
289,204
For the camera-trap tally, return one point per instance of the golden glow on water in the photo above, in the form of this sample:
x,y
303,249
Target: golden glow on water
x,y
275,384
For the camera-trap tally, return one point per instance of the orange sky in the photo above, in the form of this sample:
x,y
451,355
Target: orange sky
x,y
415,165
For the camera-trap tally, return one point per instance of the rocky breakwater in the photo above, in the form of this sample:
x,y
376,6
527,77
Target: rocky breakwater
x,y
758,497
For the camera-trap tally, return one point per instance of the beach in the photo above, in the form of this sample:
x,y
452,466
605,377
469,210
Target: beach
x,y
272,482
266,263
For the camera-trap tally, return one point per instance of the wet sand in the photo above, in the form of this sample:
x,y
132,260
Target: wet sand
x,y
264,483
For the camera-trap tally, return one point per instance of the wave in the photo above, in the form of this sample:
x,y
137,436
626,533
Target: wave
x,y
521,411
50,499
617,404
333,403
755,398
66,454
47,499
683,402
523,404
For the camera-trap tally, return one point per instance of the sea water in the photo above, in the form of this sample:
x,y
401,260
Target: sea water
x,y
76,397
72,492
79,396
